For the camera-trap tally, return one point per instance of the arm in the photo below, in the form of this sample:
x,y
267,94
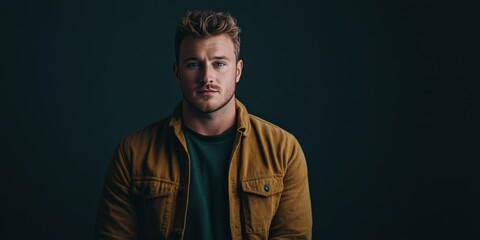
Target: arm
x,y
293,219
117,217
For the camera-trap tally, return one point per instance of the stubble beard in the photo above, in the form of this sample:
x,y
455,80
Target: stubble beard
x,y
203,106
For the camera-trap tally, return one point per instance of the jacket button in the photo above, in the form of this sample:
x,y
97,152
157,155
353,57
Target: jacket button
x,y
266,188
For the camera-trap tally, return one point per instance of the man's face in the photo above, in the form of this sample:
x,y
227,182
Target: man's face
x,y
208,72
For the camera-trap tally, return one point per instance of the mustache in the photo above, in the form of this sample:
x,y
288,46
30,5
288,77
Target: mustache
x,y
208,86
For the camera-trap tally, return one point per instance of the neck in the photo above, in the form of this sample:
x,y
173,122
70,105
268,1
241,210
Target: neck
x,y
209,124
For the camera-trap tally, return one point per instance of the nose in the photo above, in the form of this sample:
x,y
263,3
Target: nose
x,y
207,74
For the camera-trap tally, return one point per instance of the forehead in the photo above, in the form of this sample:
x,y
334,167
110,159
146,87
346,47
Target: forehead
x,y
214,45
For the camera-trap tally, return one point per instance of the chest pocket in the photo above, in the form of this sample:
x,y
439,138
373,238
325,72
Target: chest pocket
x,y
157,197
260,199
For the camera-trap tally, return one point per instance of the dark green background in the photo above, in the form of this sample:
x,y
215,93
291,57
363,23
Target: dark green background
x,y
382,96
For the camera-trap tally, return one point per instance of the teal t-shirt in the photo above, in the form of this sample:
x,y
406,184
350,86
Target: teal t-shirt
x,y
208,212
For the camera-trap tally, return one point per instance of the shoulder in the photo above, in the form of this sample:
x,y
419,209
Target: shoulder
x,y
263,127
146,134
272,143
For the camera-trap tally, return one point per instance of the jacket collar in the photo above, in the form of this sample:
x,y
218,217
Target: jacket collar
x,y
243,118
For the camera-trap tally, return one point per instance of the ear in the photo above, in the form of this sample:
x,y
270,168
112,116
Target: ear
x,y
239,70
176,71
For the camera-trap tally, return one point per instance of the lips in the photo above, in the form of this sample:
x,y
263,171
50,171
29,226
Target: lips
x,y
207,92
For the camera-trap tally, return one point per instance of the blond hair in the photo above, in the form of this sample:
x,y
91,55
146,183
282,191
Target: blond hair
x,y
202,24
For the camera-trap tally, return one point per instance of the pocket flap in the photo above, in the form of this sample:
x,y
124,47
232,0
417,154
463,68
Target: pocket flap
x,y
263,186
152,187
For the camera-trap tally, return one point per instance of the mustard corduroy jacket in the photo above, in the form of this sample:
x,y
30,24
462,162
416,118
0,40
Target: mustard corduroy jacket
x,y
145,195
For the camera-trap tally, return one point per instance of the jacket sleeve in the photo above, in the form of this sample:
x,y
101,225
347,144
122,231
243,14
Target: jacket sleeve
x,y
117,216
293,219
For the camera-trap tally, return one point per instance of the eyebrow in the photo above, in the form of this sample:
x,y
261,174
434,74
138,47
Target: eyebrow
x,y
220,57
215,58
190,59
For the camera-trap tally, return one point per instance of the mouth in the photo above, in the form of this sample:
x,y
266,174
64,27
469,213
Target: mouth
x,y
207,92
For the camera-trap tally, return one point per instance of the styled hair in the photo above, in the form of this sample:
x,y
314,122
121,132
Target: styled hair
x,y
202,24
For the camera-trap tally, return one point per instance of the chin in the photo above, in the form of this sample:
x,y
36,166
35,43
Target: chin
x,y
207,105
204,106
209,108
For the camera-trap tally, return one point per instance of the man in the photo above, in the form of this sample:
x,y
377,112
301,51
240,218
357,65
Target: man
x,y
210,170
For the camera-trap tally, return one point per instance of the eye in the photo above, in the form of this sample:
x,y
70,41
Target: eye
x,y
193,65
219,64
